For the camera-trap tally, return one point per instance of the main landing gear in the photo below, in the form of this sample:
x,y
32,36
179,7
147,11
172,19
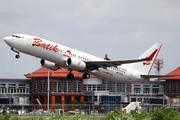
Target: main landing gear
x,y
71,76
17,56
86,76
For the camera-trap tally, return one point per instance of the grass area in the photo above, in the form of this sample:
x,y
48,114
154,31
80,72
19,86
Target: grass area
x,y
56,118
8,116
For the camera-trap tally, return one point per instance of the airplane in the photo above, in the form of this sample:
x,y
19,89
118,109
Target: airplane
x,y
54,56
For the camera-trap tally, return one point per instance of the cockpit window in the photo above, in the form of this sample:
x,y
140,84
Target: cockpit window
x,y
16,36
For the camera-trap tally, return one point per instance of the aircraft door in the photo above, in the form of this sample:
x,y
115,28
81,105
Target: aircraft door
x,y
29,42
130,76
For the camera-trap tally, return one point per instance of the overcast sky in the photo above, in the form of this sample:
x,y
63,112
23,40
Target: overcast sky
x,y
123,29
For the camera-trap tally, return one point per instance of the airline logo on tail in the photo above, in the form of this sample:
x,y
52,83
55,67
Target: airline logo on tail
x,y
147,62
150,58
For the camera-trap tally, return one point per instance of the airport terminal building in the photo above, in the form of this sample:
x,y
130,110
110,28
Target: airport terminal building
x,y
64,91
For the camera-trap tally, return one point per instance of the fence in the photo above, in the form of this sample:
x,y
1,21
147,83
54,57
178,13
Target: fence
x,y
73,109
36,109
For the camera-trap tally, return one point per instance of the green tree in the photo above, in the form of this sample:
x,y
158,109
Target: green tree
x,y
165,114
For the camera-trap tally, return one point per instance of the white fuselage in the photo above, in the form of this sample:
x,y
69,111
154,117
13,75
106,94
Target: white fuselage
x,y
59,54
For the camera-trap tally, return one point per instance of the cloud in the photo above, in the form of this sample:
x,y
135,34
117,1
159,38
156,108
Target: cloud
x,y
99,26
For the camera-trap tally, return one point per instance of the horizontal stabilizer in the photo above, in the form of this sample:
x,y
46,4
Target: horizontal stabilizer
x,y
156,76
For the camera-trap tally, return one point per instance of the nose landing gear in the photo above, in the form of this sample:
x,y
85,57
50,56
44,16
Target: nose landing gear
x,y
17,56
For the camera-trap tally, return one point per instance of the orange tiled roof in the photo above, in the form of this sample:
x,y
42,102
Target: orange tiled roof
x,y
60,73
175,72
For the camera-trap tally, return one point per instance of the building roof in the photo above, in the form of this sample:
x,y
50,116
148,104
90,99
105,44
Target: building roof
x,y
60,73
175,72
14,80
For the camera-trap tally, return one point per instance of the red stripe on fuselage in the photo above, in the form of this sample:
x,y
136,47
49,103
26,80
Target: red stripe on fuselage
x,y
67,56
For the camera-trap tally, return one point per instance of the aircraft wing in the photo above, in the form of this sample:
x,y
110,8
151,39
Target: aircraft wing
x,y
93,65
96,64
156,76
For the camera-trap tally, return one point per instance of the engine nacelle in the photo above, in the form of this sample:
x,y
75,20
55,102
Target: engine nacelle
x,y
49,65
76,64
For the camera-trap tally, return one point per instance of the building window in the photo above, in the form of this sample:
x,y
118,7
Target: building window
x,y
98,87
27,90
89,87
11,90
77,86
88,98
67,86
21,90
106,85
95,98
125,87
2,85
11,85
55,87
35,86
22,85
85,88
155,89
116,87
59,86
14,90
42,86
92,87
169,87
176,87
146,89
137,89
2,90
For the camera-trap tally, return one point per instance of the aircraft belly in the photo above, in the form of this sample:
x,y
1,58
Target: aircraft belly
x,y
116,77
109,75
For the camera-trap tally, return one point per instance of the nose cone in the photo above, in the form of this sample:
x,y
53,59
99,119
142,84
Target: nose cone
x,y
7,39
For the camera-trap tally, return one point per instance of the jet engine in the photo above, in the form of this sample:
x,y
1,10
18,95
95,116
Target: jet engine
x,y
76,64
49,65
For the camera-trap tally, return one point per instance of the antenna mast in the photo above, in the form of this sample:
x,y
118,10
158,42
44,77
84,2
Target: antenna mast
x,y
159,65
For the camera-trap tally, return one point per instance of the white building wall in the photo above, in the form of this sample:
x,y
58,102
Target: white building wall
x,y
92,81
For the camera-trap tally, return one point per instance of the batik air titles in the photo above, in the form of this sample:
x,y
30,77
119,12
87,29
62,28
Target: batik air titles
x,y
54,56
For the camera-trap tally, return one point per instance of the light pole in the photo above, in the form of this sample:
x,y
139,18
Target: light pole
x,y
48,94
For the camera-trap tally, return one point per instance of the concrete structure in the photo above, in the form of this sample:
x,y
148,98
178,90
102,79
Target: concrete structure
x,y
15,91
